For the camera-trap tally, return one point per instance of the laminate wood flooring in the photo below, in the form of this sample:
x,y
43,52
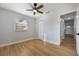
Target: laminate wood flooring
x,y
37,47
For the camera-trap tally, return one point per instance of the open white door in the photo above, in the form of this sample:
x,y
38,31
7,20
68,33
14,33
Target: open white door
x,y
77,33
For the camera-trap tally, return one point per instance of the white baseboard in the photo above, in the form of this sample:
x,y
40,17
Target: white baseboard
x,y
55,43
11,43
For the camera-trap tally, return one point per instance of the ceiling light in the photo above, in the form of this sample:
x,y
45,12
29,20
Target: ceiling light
x,y
35,11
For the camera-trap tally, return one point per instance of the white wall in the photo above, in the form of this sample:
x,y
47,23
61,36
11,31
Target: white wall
x,y
7,27
48,26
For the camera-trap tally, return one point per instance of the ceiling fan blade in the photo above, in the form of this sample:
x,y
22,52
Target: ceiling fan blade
x,y
29,9
39,6
31,5
40,11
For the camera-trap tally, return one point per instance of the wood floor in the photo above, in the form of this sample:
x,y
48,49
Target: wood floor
x,y
39,48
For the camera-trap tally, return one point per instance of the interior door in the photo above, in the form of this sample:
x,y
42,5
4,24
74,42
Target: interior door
x,y
77,33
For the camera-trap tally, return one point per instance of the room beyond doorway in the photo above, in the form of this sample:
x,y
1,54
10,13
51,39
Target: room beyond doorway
x,y
67,27
68,31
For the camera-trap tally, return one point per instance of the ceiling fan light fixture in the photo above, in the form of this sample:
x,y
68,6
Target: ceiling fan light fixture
x,y
35,11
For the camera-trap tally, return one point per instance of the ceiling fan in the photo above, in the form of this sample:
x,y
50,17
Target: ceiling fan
x,y
35,8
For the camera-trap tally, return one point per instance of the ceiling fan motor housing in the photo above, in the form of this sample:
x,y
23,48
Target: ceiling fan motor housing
x,y
35,4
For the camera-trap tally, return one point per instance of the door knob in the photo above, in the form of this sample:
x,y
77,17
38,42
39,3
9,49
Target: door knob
x,y
77,33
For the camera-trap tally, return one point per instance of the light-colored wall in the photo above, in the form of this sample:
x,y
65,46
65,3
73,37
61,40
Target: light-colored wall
x,y
7,27
48,28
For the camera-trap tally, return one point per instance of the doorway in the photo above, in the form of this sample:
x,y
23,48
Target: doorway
x,y
68,30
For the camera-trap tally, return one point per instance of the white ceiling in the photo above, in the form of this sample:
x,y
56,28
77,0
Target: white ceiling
x,y
52,7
